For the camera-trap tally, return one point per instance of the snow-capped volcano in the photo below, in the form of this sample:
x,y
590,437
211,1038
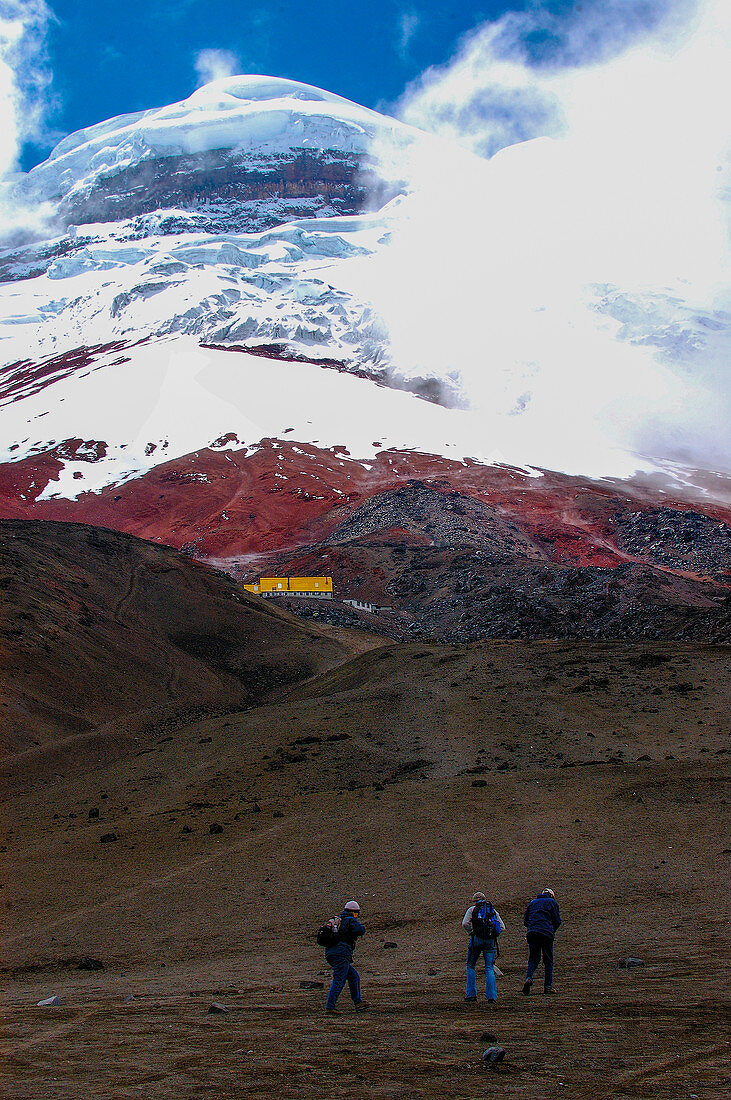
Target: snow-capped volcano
x,y
209,279
242,152
227,217
207,349
199,244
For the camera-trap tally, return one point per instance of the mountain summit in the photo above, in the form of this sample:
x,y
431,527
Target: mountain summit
x,y
242,154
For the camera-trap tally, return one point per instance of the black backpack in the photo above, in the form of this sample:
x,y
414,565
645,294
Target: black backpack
x,y
329,934
484,921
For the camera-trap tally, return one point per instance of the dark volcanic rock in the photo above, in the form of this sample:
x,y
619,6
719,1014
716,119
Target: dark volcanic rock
x,y
678,539
221,191
493,1054
87,963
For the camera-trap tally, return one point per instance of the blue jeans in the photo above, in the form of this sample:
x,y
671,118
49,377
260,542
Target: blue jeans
x,y
476,948
343,971
540,944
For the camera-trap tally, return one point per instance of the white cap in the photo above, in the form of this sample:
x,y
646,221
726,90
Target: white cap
x,y
549,892
352,906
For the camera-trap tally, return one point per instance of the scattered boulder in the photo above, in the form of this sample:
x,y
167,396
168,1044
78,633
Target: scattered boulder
x,y
629,963
94,812
215,1007
311,985
50,1002
493,1055
215,828
479,782
186,829
87,963
108,838
390,943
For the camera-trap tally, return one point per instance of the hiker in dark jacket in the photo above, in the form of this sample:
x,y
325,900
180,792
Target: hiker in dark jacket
x,y
542,920
340,957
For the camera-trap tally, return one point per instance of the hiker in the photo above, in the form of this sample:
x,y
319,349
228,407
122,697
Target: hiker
x,y
542,920
340,957
484,924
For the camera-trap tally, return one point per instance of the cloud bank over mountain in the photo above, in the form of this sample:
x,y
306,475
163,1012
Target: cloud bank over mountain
x,y
583,268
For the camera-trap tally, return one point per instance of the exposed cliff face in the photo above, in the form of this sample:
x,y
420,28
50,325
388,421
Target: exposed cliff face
x,y
224,191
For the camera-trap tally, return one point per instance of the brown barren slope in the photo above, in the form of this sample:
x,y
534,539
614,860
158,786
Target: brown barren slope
x,y
406,776
95,624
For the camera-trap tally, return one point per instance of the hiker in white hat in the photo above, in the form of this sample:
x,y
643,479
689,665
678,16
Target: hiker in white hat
x,y
340,957
484,924
542,920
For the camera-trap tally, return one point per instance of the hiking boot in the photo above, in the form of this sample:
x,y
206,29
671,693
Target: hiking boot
x,y
362,1006
492,1000
526,986
549,989
331,1011
472,999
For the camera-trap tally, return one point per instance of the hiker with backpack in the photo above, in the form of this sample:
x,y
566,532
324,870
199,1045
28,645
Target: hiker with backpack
x,y
542,920
338,936
484,924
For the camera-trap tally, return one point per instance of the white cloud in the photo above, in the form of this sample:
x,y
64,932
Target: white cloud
x,y
24,76
507,82
215,64
574,287
408,24
25,81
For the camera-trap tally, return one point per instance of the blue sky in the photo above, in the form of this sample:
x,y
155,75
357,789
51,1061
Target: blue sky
x,y
106,59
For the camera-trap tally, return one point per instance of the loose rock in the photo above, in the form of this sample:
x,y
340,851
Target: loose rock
x,y
108,838
311,985
50,1002
629,963
87,963
493,1054
216,1007
390,943
215,828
